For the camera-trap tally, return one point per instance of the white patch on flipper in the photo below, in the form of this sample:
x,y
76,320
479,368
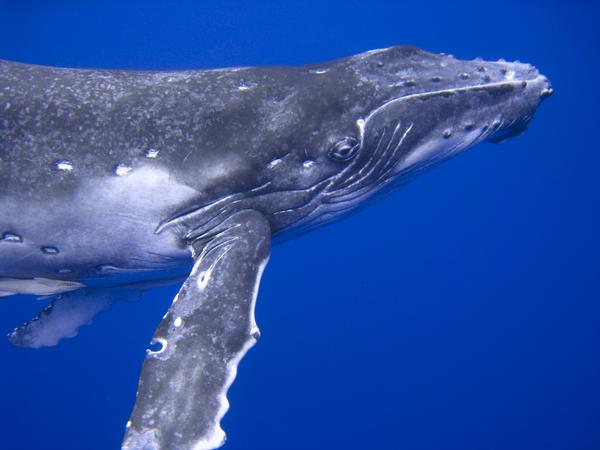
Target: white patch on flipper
x,y
144,441
216,440
36,286
217,437
163,346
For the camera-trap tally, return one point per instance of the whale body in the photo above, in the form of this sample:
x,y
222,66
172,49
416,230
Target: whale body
x,y
112,182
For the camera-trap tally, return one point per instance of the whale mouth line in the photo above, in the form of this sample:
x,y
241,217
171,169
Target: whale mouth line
x,y
513,83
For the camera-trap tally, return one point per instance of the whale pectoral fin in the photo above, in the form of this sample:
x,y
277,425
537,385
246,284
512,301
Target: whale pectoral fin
x,y
209,327
63,317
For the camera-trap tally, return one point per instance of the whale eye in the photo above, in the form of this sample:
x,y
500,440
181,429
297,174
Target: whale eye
x,y
345,149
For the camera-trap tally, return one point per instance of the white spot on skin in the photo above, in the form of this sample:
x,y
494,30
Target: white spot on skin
x,y
151,153
274,163
122,170
107,268
11,237
244,88
319,71
64,165
203,279
178,322
308,164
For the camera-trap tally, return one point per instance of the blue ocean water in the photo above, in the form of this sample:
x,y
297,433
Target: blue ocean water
x,y
461,312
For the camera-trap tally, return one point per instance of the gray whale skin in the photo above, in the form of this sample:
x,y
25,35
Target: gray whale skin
x,y
112,182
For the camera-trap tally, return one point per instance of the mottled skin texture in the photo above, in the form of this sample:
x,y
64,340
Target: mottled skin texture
x,y
110,174
216,133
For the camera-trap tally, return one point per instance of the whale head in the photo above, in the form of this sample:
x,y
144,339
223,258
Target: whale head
x,y
398,111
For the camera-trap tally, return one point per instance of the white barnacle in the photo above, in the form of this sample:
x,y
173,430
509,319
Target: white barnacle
x,y
308,164
178,322
244,88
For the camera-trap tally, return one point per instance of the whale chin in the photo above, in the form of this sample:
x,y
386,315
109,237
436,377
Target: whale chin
x,y
515,130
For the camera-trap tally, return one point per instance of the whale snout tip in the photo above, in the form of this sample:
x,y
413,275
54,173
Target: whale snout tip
x,y
518,113
527,74
546,93
543,84
547,89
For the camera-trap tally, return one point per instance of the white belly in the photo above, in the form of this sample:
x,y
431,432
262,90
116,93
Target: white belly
x,y
105,228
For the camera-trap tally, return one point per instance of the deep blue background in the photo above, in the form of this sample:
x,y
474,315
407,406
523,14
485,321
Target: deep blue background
x,y
461,312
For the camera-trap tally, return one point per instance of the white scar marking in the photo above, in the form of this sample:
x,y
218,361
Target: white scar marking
x,y
360,123
163,342
376,51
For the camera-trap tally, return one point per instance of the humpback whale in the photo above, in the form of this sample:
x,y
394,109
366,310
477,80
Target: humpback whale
x,y
112,182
